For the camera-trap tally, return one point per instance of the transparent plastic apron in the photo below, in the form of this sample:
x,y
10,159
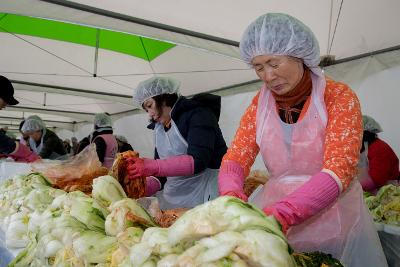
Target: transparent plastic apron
x,y
363,168
363,164
182,191
292,153
38,149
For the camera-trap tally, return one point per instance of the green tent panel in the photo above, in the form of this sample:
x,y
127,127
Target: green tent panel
x,y
141,47
154,48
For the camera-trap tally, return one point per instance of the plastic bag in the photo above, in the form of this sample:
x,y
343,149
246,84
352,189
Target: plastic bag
x,y
390,244
75,173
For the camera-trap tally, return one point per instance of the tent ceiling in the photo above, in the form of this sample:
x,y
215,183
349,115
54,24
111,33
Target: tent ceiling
x,y
354,32
76,58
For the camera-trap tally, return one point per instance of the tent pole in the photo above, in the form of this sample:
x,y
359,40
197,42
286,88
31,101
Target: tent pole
x,y
96,52
62,88
369,54
156,25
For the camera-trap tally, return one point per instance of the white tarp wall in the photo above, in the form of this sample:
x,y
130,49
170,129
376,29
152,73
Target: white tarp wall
x,y
376,81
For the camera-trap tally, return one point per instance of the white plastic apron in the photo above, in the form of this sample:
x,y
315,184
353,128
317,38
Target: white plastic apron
x,y
182,191
38,149
363,168
292,153
363,164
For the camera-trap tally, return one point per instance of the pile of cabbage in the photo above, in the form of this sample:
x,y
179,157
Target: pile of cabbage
x,y
385,206
56,228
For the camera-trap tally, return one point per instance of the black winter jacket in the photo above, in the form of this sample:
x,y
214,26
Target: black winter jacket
x,y
51,143
101,145
197,121
7,144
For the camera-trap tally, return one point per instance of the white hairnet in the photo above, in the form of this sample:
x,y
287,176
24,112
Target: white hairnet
x,y
153,87
371,125
102,120
36,117
33,123
121,138
279,34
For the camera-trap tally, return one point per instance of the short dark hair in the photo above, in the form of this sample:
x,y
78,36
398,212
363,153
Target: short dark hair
x,y
368,137
21,124
168,99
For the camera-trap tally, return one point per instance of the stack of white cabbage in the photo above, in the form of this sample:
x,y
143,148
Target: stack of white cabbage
x,y
71,229
385,206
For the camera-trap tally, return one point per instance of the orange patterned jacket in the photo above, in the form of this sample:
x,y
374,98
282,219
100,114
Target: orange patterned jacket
x,y
342,141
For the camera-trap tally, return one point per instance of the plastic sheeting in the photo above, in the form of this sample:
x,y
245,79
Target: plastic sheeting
x,y
9,169
390,240
5,255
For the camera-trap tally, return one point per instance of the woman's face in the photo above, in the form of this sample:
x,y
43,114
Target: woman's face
x,y
280,74
160,115
35,135
24,135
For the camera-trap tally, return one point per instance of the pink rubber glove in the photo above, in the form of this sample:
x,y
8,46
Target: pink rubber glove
x,y
368,184
316,194
239,195
152,186
182,165
231,180
23,153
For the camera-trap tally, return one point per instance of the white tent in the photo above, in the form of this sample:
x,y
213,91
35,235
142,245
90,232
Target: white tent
x,y
71,59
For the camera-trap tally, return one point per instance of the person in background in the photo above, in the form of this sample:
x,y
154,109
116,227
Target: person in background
x,y
308,130
188,143
123,144
378,162
3,130
102,136
83,143
24,137
67,145
43,141
75,144
9,147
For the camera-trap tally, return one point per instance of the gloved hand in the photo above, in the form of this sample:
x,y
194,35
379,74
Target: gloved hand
x,y
182,165
280,218
316,194
139,167
152,186
239,195
23,153
367,183
231,180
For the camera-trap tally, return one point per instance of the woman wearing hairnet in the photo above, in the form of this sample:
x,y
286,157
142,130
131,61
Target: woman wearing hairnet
x,y
308,131
378,163
123,144
8,146
188,143
42,141
102,136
